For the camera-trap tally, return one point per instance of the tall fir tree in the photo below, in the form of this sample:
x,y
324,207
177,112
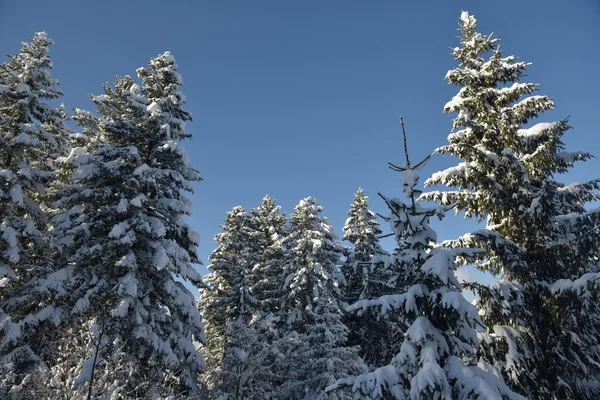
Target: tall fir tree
x,y
32,135
125,241
363,280
227,307
436,359
239,307
312,302
541,239
269,231
368,276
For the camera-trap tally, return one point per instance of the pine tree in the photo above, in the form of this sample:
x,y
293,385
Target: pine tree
x,y
312,297
269,231
226,306
323,356
32,135
238,324
313,259
367,276
540,237
125,240
436,358
363,281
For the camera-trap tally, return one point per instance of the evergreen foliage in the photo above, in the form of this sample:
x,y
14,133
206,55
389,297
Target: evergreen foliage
x,y
32,135
540,236
241,307
312,298
436,359
124,239
367,276
268,235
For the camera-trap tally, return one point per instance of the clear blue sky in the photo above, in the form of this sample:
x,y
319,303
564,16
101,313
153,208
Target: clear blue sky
x,y
302,98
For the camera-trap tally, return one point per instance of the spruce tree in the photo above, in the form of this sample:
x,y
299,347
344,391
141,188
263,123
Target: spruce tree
x,y
312,298
226,307
269,231
238,324
436,359
125,239
363,281
541,239
367,276
32,135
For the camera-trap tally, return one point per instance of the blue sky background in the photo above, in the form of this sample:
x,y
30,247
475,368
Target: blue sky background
x,y
302,98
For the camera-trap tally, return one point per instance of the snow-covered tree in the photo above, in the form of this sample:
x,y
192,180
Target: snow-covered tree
x,y
363,279
268,235
322,356
268,226
125,241
240,349
541,238
436,359
226,306
32,135
313,259
367,276
312,299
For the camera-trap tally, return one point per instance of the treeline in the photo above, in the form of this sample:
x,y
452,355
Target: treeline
x,y
94,248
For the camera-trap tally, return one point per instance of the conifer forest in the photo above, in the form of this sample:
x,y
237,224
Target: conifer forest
x,y
97,256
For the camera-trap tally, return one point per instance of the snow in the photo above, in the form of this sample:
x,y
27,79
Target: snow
x,y
137,200
405,302
153,108
466,18
533,133
440,264
375,383
454,104
128,285
86,372
85,171
9,235
408,180
121,309
16,194
24,138
430,376
161,259
562,285
23,88
118,230
122,206
157,228
461,169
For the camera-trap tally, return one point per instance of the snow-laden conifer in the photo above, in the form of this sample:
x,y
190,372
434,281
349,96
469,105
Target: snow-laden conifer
x,y
367,276
226,306
126,241
312,302
540,237
32,135
240,307
436,359
363,280
269,230
268,236
313,259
